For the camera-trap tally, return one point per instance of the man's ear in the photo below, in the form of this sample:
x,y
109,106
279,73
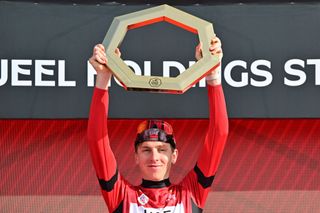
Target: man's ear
x,y
174,156
136,157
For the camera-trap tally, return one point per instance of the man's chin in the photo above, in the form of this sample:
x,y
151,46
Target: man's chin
x,y
155,177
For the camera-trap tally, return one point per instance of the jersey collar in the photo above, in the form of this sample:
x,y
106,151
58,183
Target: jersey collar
x,y
155,184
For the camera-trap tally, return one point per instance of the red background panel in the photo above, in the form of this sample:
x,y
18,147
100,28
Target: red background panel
x,y
51,157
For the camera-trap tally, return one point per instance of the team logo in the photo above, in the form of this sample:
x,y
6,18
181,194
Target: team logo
x,y
143,199
171,197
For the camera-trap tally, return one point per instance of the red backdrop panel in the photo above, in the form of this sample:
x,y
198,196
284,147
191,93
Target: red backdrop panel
x,y
51,157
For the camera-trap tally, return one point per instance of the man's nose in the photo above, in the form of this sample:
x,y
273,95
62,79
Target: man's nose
x,y
155,155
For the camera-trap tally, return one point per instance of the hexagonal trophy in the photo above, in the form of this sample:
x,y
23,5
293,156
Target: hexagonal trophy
x,y
178,84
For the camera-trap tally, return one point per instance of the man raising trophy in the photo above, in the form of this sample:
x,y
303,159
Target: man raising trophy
x,y
155,150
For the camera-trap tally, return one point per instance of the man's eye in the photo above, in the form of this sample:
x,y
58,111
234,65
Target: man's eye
x,y
146,150
163,150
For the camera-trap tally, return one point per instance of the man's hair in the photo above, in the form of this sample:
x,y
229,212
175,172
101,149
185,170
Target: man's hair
x,y
154,130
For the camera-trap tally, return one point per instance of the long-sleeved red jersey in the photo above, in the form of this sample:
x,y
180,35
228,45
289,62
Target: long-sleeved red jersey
x,y
157,196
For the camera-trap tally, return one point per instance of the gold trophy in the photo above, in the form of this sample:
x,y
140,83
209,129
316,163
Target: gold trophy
x,y
178,84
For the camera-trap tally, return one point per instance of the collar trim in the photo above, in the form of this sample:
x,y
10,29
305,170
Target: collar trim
x,y
155,184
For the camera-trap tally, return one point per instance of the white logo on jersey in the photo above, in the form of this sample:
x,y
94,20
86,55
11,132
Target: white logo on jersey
x,y
143,199
171,197
134,208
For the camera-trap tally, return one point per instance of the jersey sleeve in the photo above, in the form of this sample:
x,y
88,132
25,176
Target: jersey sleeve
x,y
111,183
199,180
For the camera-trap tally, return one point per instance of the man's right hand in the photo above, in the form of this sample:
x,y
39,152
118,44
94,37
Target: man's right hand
x,y
99,62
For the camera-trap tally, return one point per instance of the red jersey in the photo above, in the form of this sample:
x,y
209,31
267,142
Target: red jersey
x,y
188,196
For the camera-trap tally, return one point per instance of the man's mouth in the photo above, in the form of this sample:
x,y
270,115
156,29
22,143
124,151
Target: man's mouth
x,y
154,166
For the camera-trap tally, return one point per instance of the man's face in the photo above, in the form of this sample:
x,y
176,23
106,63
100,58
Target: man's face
x,y
154,159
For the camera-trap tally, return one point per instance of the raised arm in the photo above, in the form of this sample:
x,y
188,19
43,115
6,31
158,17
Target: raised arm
x,y
102,156
218,126
199,180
